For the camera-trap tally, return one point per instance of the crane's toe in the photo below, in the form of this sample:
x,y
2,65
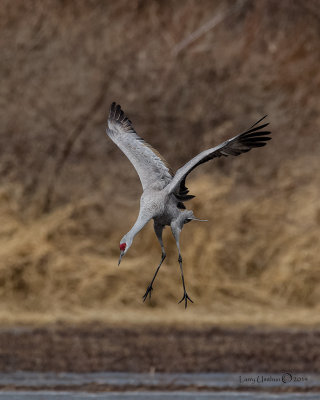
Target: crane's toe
x,y
148,292
185,297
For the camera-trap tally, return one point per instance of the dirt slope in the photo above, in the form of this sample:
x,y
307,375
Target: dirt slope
x,y
67,194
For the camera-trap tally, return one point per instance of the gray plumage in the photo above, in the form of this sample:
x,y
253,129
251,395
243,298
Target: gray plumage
x,y
164,193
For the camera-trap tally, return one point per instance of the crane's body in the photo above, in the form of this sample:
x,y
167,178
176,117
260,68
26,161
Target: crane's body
x,y
163,207
164,193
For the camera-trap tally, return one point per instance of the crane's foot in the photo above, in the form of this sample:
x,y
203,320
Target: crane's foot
x,y
185,297
148,292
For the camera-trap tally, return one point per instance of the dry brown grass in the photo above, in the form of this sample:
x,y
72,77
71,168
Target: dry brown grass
x,y
68,195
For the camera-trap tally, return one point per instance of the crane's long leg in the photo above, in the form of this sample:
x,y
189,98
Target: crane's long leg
x,y
158,230
176,233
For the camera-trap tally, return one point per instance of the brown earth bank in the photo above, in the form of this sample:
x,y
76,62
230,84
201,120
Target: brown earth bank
x,y
98,347
68,194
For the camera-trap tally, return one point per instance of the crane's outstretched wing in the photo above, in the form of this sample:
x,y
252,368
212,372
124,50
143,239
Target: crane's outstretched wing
x,y
152,169
255,136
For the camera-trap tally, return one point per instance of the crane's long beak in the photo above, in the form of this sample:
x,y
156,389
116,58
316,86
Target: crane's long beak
x,y
121,255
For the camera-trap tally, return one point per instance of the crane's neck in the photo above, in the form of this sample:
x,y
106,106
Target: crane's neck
x,y
139,224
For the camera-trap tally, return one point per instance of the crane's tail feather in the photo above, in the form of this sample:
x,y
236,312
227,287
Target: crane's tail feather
x,y
195,219
191,217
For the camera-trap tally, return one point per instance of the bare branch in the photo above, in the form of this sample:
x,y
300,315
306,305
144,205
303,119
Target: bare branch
x,y
68,146
212,23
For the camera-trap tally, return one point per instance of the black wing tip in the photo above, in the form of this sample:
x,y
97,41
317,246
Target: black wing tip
x,y
114,110
254,140
258,122
116,114
255,136
256,129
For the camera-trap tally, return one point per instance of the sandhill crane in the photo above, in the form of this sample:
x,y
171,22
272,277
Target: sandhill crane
x,y
164,194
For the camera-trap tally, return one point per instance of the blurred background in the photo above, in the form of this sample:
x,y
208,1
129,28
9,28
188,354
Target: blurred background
x,y
189,74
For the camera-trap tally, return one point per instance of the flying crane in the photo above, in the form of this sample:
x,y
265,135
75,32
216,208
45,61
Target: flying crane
x,y
164,193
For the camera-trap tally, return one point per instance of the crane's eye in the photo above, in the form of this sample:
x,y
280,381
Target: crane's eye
x,y
123,246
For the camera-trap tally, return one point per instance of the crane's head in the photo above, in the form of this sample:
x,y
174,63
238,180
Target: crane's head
x,y
125,244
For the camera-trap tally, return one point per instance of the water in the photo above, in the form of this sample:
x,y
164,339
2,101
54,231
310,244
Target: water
x,y
230,395
223,386
123,379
